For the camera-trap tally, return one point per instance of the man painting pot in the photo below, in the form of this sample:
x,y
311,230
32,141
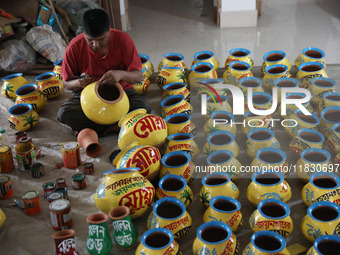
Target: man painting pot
x,y
99,54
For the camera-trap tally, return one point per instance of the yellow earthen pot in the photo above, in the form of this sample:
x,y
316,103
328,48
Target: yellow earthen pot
x,y
206,56
147,66
310,54
11,83
321,187
57,68
170,213
146,158
275,57
239,54
49,84
125,186
30,94
139,126
173,60
22,117
104,104
199,72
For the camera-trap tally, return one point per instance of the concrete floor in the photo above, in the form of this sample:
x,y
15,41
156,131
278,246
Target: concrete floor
x,y
186,27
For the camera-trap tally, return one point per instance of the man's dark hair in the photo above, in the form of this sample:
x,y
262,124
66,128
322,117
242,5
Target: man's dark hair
x,y
96,22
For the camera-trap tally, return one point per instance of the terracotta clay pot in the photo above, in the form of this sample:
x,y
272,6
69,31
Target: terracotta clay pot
x,y
88,139
64,242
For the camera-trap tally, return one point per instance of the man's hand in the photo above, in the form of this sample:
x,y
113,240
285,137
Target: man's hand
x,y
112,77
86,80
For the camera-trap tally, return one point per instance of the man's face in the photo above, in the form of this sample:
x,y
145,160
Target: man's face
x,y
98,44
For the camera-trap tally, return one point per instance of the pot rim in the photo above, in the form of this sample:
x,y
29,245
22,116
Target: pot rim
x,y
325,238
144,56
230,115
330,175
313,48
312,115
229,199
218,132
272,200
286,79
49,74
166,55
124,208
212,81
172,97
240,49
278,151
166,87
63,234
93,218
174,176
324,96
322,151
224,98
171,200
311,63
172,153
265,94
202,64
323,204
256,174
268,233
270,131
12,76
189,135
203,52
274,52
58,63
325,79
230,154
204,179
123,151
309,130
117,85
176,115
244,79
323,112
26,86
217,224
240,62
30,108
335,126
155,230
122,170
274,66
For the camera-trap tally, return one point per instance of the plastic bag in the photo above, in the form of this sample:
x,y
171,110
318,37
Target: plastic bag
x,y
17,56
47,42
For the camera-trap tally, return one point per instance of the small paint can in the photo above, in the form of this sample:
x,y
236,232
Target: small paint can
x,y
88,168
61,182
62,191
37,170
31,202
25,155
71,154
60,211
78,181
54,196
26,139
6,190
48,188
18,135
6,159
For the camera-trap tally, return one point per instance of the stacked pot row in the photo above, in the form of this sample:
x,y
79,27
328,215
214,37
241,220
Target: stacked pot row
x,y
30,98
